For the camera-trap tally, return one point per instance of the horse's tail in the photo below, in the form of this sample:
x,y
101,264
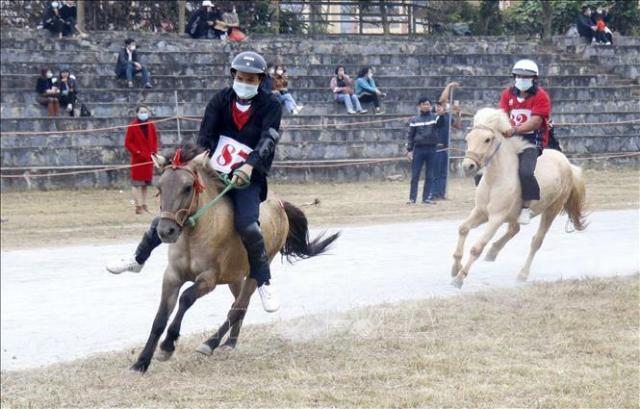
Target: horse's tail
x,y
575,205
298,244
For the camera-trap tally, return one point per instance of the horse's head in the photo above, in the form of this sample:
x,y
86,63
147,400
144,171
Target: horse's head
x,y
179,187
487,134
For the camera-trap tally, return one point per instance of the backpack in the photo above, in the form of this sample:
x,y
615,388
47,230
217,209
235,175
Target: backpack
x,y
84,111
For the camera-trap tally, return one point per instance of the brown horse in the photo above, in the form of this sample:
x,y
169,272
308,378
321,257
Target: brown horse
x,y
498,197
211,252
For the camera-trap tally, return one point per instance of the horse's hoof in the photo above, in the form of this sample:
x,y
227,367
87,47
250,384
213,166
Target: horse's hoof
x,y
140,367
456,283
455,270
490,257
163,355
204,349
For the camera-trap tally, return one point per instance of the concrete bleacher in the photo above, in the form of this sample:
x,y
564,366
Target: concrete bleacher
x,y
585,88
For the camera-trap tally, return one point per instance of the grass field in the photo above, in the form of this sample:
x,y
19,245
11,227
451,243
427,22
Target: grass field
x,y
37,219
551,345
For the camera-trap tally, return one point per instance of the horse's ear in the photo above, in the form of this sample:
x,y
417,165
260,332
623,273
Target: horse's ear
x,y
159,161
202,159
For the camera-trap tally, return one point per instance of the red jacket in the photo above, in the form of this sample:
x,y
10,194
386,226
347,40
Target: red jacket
x,y
521,111
141,148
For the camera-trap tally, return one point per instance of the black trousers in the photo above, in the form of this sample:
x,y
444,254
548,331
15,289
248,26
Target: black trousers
x,y
366,97
527,160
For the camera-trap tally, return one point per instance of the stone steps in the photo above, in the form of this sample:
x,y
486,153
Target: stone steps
x,y
26,82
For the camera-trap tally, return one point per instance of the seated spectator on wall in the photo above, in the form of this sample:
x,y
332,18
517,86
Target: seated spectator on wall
x,y
366,89
281,88
585,25
602,33
54,22
206,22
141,140
342,88
48,92
267,82
128,64
66,83
232,22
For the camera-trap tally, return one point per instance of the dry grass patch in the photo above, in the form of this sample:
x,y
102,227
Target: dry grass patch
x,y
37,219
562,344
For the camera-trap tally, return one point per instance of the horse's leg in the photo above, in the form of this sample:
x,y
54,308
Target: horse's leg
x,y
475,219
497,245
170,290
476,250
545,223
235,315
201,287
231,342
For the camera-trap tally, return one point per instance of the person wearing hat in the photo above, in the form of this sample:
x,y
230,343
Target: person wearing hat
x,y
247,116
206,22
529,107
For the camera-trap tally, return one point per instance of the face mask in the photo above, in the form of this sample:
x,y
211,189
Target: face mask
x,y
49,74
524,84
132,47
245,91
55,4
279,72
143,116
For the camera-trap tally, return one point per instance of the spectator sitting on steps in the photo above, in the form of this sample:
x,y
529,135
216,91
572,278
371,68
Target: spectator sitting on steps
x,y
54,22
602,33
281,88
48,92
128,64
206,22
585,25
366,89
342,88
68,90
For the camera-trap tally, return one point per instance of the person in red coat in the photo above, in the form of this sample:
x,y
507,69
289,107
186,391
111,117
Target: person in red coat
x,y
141,141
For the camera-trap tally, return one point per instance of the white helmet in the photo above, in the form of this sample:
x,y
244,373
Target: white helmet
x,y
525,68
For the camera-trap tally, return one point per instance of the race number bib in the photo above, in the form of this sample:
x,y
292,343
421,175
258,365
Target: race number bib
x,y
520,116
229,154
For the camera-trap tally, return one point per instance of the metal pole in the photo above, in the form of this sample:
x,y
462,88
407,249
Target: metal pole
x,y
80,15
181,19
175,93
446,183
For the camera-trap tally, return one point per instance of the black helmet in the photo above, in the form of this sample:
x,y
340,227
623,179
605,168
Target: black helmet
x,y
250,62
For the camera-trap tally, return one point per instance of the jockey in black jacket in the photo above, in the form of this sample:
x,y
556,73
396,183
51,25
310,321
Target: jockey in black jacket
x,y
247,119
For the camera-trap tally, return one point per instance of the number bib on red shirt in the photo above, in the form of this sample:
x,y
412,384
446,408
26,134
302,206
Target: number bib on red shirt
x,y
229,154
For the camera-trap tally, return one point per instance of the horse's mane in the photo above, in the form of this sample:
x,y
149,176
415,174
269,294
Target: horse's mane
x,y
498,120
188,151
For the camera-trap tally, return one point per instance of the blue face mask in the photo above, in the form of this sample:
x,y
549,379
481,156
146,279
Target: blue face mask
x,y
245,91
143,116
524,84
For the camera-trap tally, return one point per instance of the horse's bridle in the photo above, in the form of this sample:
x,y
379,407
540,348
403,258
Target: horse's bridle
x,y
181,216
474,156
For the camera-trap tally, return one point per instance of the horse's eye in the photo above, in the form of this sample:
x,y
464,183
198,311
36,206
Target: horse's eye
x,y
188,188
487,140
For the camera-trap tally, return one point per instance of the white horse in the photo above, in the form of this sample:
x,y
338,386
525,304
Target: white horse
x,y
498,197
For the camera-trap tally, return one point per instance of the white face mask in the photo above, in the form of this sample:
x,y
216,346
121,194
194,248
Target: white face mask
x,y
279,72
245,91
143,116
49,74
132,47
524,84
55,4
370,75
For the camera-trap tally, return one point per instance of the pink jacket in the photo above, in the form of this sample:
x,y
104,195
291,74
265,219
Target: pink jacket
x,y
337,91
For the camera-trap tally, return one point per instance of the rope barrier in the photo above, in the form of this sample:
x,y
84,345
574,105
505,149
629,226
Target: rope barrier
x,y
291,127
329,163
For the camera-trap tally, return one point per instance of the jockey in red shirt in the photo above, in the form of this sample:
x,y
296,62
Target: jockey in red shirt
x,y
528,106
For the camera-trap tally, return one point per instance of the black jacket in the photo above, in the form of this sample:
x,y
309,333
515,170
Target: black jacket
x,y
583,24
123,59
218,120
197,26
43,84
422,130
68,13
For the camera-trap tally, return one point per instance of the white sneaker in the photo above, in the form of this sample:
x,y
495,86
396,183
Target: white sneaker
x,y
269,299
525,216
69,107
123,265
299,108
295,111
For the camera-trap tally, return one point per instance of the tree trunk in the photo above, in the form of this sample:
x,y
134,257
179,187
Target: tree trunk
x,y
383,16
547,20
181,19
316,18
275,16
80,15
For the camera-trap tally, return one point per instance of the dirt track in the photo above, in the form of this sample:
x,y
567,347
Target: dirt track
x,y
38,219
